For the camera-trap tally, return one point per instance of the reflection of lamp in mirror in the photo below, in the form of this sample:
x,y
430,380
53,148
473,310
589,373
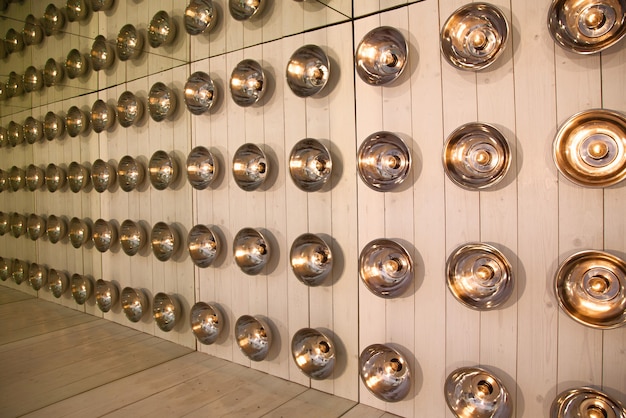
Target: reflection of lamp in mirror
x,y
33,130
77,10
17,224
76,64
35,226
385,372
207,322
587,26
200,17
4,181
37,276
129,109
313,352
246,9
250,167
19,270
200,93
384,161
104,235
35,177
82,288
129,43
5,269
166,311
310,165
475,392
161,30
77,176
386,268
102,116
253,336
76,121
101,5
107,295
247,83
15,133
53,73
55,177
53,20
251,251
202,168
79,232
15,85
4,223
586,402
32,79
381,56
56,228
162,170
311,259
14,41
203,245
4,136
134,303
161,102
57,282
132,237
53,126
130,173
308,71
33,31
17,178
474,36
164,240
103,175
102,54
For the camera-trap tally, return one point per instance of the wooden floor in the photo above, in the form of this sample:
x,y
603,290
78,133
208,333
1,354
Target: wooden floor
x,y
59,362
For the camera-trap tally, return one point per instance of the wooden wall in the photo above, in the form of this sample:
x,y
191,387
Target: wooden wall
x,y
535,216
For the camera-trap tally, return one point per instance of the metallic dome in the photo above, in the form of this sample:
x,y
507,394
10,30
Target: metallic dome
x,y
311,259
79,232
586,402
134,303
591,289
82,288
473,392
200,17
33,130
56,228
57,282
132,237
250,167
474,36
385,372
102,54
37,276
247,83
55,177
17,178
76,121
308,71
200,93
5,269
251,251
35,177
129,109
310,165
253,336
76,64
163,170
129,43
381,56
19,270
161,102
130,173
53,73
202,168
246,9
35,226
32,79
15,133
78,176
386,268
17,224
207,322
313,353
53,126
104,235
161,30
107,295
77,10
165,241
102,116
166,311
384,161
103,175
33,31
203,245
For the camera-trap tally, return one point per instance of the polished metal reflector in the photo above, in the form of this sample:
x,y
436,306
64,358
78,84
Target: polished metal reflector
x,y
53,126
473,392
386,268
314,353
76,121
384,161
162,170
82,288
55,177
37,276
35,177
165,241
590,148
33,130
310,165
200,93
202,168
479,276
129,43
130,173
53,73
103,175
166,311
591,289
56,228
104,235
207,322
200,17
102,54
385,372
476,156
79,232
78,176
102,116
32,79
129,109
587,26
246,9
33,31
107,295
250,167
251,251
76,64
161,102
247,83
134,303
474,36
381,56
253,336
57,282
133,237
308,71
203,245
586,402
161,30
35,226
311,259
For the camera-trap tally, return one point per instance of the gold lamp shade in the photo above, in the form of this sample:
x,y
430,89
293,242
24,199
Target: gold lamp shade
x,y
476,156
473,392
57,282
107,294
591,289
479,276
590,148
586,402
587,26
134,303
474,36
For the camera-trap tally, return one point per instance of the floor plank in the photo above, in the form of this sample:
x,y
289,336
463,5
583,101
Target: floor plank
x,y
56,361
313,403
9,295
